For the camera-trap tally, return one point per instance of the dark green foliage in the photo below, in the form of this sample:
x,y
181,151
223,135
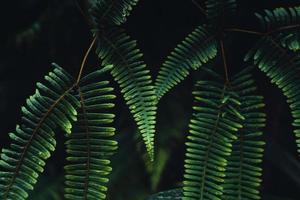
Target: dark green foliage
x,y
116,48
197,49
283,70
90,146
279,17
219,10
243,173
51,106
167,195
213,128
112,12
290,41
224,146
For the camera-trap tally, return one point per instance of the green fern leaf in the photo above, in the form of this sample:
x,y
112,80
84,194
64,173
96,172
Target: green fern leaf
x,y
290,41
212,130
50,107
116,48
283,70
243,172
112,12
90,146
275,19
197,49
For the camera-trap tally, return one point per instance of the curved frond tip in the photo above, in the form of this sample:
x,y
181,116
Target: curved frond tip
x,y
197,49
130,72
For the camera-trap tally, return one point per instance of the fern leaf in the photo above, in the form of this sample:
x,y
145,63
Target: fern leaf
x,y
277,18
290,41
219,10
283,70
197,49
212,130
50,107
243,172
134,79
112,12
90,145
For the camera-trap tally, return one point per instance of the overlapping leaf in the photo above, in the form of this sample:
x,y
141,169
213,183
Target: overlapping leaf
x,y
213,128
243,172
90,146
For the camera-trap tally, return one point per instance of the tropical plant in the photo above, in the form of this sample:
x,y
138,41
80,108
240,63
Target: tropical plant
x,y
226,139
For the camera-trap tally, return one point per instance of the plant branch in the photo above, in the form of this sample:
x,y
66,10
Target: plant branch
x,y
224,61
244,31
283,28
86,19
199,6
84,59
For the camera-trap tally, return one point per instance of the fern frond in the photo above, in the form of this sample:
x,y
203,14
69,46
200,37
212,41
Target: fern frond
x,y
116,48
51,106
290,41
212,130
283,70
220,10
197,49
90,145
277,18
243,172
112,12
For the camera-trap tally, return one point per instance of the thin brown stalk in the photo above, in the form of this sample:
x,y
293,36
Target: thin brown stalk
x,y
199,6
224,61
84,59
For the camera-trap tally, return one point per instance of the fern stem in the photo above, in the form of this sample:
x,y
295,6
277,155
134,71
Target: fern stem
x,y
84,59
88,164
200,7
244,31
224,61
208,152
86,19
282,29
241,30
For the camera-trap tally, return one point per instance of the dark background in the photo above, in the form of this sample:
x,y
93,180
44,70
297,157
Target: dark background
x,y
158,25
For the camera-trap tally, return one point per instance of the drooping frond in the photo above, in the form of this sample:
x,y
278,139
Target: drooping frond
x,y
243,172
116,48
212,130
175,194
90,146
219,10
51,106
283,70
112,12
275,19
197,49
